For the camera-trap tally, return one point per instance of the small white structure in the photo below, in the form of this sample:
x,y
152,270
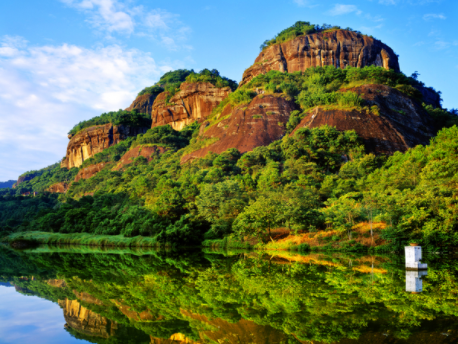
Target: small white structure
x,y
413,258
414,284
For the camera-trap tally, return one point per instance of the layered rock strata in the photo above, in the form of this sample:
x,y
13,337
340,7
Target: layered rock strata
x,y
143,103
339,48
194,102
397,124
93,140
246,127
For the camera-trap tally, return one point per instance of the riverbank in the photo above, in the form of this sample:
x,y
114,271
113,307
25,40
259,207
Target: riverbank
x,y
360,240
34,238
281,239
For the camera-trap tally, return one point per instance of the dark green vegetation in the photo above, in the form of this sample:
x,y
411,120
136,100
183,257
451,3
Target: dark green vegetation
x,y
319,179
300,28
207,295
43,179
128,118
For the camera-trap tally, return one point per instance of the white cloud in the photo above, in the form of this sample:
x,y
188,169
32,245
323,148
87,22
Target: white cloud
x,y
387,2
430,16
109,15
45,90
340,9
117,17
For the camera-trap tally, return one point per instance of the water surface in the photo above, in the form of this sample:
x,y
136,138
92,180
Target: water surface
x,y
74,294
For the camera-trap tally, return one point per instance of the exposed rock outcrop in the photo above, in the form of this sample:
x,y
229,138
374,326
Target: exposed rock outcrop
x,y
143,103
89,171
145,151
401,123
60,187
86,321
93,140
194,102
395,122
246,127
339,48
25,178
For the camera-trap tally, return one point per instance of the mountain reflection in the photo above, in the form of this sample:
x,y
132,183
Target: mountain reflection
x,y
239,297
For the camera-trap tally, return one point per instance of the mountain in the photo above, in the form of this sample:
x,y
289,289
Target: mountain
x,y
7,184
323,124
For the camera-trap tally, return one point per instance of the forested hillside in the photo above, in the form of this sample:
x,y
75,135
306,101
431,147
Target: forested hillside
x,y
274,169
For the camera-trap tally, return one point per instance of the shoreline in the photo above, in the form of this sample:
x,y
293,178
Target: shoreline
x,y
24,240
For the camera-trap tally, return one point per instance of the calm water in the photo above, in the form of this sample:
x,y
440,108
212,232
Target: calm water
x,y
74,295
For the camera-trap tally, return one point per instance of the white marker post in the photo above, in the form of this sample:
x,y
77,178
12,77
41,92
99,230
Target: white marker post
x,y
413,258
414,283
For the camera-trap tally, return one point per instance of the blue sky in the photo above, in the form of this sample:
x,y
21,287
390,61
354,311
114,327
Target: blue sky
x,y
63,61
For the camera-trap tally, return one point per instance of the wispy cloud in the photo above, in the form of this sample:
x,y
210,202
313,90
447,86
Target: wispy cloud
x,y
430,16
340,9
441,45
117,17
388,2
45,90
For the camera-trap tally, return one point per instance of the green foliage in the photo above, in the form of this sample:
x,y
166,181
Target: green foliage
x,y
128,118
213,77
152,90
442,117
43,179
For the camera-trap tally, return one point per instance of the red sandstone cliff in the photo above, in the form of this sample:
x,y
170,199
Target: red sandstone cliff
x,y
194,101
401,122
246,127
338,48
93,140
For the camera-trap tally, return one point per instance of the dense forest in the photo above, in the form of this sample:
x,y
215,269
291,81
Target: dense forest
x,y
317,180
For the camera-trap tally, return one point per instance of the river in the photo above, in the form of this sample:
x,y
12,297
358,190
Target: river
x,y
90,295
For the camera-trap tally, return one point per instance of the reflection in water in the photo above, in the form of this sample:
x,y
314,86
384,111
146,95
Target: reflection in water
x,y
414,283
238,297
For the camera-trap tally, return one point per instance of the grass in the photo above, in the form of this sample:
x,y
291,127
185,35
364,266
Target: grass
x,y
82,239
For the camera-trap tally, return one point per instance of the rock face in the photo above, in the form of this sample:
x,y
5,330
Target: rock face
x,y
25,178
143,103
401,124
93,140
90,171
61,187
430,96
145,151
338,48
85,321
194,101
246,127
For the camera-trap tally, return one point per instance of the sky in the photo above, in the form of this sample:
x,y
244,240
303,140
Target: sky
x,y
63,61
30,319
